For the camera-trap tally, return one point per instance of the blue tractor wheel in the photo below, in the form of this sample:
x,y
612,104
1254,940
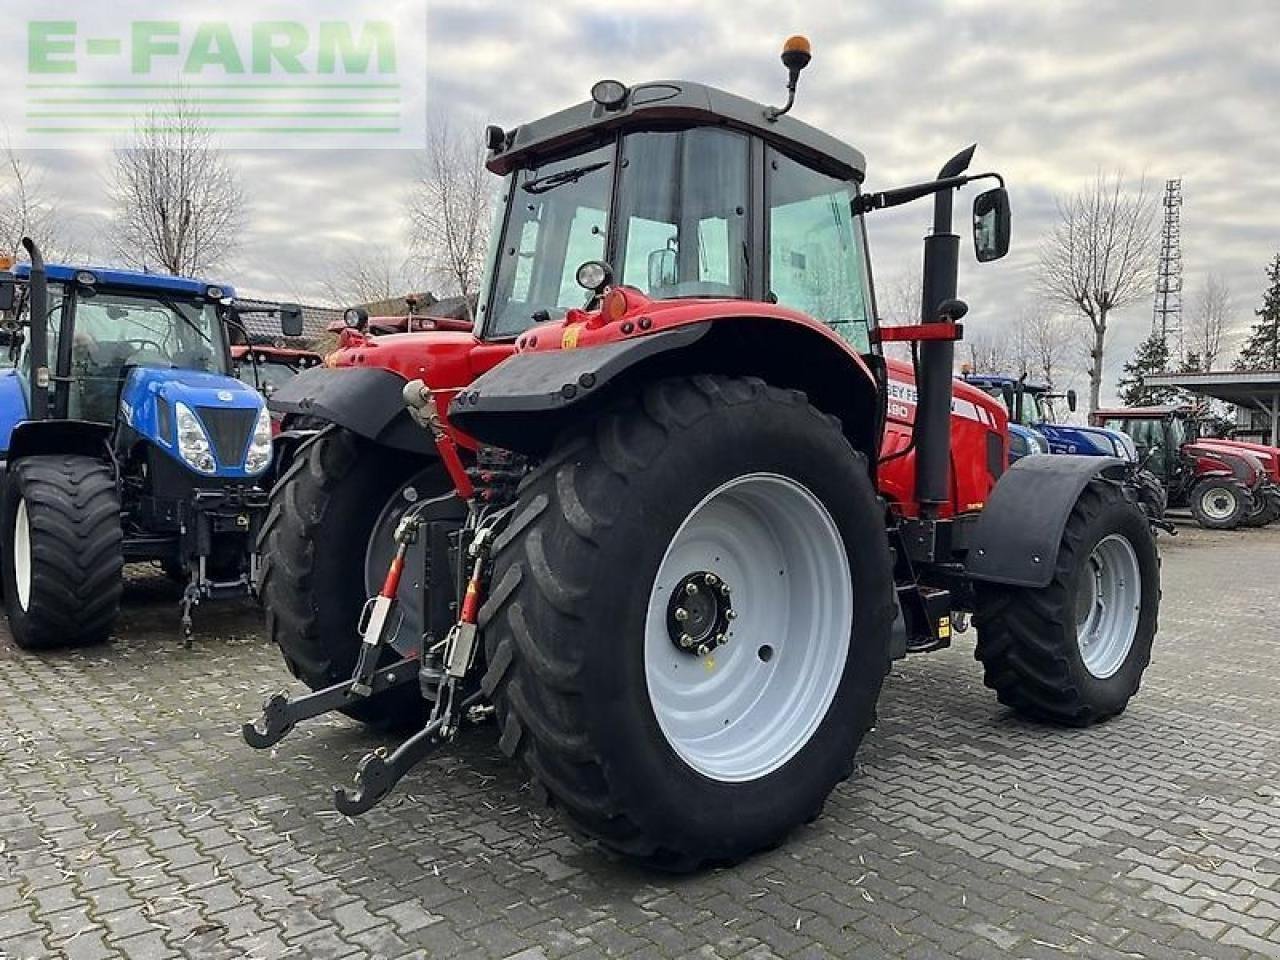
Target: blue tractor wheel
x,y
62,557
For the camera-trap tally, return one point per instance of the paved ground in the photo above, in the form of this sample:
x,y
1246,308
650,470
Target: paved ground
x,y
134,822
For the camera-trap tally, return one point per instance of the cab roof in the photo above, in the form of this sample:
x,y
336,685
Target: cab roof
x,y
135,279
1136,413
1000,380
672,103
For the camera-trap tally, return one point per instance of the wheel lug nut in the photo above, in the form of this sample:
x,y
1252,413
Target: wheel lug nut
x,y
691,589
710,579
731,614
686,640
724,589
703,650
682,614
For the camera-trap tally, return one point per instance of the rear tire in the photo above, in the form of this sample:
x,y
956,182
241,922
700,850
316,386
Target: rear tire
x,y
586,683
1264,509
1036,652
1219,504
63,557
323,512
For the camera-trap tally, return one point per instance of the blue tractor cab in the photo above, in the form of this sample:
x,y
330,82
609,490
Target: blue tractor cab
x,y
124,436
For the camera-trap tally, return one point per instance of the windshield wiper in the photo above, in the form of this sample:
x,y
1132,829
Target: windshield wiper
x,y
553,180
172,305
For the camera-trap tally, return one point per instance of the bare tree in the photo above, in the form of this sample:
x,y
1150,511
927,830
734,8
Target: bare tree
x,y
1048,344
989,354
369,274
898,304
450,209
1210,316
179,205
1100,257
26,209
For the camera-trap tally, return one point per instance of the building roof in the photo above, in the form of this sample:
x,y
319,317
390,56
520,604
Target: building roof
x,y
137,279
673,103
266,326
1230,386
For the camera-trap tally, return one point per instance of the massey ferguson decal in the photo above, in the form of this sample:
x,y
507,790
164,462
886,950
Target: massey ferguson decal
x,y
902,405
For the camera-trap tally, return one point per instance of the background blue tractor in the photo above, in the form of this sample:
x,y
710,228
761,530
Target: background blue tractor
x,y
123,437
1032,412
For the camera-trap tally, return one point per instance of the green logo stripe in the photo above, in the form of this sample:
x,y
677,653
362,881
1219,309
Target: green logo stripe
x,y
129,101
213,86
243,114
218,127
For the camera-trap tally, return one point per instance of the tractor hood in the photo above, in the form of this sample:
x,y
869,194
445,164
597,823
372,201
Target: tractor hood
x,y
1270,456
226,409
1244,466
1088,441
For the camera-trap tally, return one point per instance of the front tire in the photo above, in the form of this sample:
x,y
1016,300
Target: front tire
x,y
1074,652
63,557
655,741
1219,504
340,493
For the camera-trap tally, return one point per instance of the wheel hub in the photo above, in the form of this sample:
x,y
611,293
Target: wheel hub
x,y
698,613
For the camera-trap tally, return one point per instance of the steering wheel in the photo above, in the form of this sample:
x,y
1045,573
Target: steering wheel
x,y
143,345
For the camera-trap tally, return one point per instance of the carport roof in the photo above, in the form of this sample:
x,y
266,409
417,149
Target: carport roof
x,y
1231,386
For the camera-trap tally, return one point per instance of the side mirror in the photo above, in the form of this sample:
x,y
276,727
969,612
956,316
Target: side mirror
x,y
991,224
291,319
663,270
1072,401
8,291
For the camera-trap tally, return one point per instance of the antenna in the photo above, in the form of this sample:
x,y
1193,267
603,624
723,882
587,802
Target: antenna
x,y
1166,316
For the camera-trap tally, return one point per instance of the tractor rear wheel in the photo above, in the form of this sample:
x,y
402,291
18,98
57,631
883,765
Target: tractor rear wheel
x,y
1219,503
1264,509
63,557
690,618
1074,652
325,547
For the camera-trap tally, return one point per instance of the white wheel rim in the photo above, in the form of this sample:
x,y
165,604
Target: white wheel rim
x,y
1218,503
1108,606
22,555
744,709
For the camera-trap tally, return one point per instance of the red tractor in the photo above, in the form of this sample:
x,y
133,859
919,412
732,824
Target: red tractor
x,y
668,512
1224,483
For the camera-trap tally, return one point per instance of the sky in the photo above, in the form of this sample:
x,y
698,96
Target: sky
x,y
1053,93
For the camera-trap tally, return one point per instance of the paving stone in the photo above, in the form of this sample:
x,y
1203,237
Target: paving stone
x,y
137,825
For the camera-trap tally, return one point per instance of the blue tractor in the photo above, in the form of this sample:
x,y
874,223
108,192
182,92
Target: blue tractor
x,y
123,437
1033,418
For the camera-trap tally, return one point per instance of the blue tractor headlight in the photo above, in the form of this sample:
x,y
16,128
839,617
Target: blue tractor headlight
x,y
259,456
193,441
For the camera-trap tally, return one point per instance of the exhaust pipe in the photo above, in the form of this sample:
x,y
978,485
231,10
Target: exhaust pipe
x,y
38,335
937,357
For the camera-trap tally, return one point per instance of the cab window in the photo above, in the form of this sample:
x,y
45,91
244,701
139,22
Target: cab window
x,y
682,213
817,264
557,221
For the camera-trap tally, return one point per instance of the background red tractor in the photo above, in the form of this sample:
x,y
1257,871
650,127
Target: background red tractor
x,y
668,510
1224,483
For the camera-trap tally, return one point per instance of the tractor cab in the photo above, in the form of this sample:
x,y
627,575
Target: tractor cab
x,y
102,326
125,380
676,186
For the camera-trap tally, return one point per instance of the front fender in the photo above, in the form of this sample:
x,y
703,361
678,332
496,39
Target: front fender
x,y
525,401
368,401
1017,536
